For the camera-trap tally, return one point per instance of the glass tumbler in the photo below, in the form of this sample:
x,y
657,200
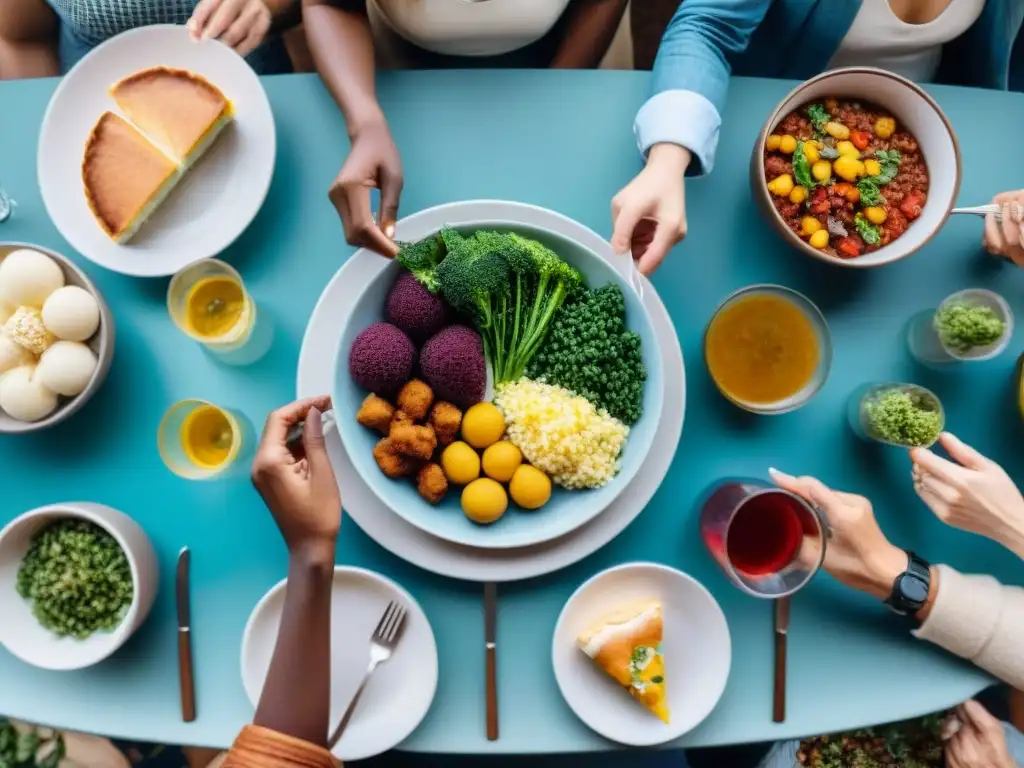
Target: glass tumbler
x,y
768,541
202,441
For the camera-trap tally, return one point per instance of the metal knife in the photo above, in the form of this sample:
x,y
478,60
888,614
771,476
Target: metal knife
x,y
782,606
490,640
188,695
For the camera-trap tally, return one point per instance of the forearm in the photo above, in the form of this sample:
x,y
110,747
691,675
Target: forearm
x,y
1013,539
296,695
341,42
588,30
28,59
981,620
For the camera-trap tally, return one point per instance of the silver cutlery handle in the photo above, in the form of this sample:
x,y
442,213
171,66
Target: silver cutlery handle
x,y
336,736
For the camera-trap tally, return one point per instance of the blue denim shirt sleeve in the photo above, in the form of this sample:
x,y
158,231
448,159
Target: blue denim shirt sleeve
x,y
691,75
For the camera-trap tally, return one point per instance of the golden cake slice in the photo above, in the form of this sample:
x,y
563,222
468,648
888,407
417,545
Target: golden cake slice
x,y
125,176
627,646
179,111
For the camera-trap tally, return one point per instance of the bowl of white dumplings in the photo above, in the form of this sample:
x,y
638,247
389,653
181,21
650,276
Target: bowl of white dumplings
x,y
56,338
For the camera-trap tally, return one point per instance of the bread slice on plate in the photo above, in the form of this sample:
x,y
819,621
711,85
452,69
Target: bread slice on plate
x,y
627,645
180,111
124,175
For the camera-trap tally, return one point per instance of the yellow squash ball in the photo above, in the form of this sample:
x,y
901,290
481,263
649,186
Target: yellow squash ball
x,y
483,425
484,501
530,488
460,463
501,460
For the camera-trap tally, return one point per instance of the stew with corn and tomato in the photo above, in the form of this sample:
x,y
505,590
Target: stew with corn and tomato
x,y
845,176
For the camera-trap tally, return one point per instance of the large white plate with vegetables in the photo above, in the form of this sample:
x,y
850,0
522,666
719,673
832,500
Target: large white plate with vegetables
x,y
562,338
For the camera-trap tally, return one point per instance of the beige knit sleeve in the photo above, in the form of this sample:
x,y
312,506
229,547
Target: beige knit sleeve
x,y
981,620
258,747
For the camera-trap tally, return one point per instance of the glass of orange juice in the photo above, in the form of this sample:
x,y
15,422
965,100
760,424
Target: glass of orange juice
x,y
208,301
202,441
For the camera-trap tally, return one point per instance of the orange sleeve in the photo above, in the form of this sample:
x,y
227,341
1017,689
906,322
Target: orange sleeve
x,y
258,747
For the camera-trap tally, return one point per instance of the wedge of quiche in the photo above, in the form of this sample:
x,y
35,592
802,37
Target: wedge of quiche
x,y
627,646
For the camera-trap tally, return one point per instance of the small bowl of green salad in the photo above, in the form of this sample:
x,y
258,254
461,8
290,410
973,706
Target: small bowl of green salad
x,y
76,580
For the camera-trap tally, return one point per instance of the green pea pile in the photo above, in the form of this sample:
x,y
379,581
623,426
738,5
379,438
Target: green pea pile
x,y
904,419
590,352
77,578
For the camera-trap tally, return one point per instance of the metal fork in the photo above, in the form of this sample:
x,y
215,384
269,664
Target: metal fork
x,y
995,209
382,644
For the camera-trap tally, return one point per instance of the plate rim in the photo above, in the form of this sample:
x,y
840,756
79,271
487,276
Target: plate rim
x,y
639,565
365,573
65,83
522,211
434,555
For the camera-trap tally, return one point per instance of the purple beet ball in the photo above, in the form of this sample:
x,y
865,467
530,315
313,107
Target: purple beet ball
x,y
414,309
381,359
452,363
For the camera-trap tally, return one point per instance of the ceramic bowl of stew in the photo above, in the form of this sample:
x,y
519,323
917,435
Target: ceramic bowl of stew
x,y
857,166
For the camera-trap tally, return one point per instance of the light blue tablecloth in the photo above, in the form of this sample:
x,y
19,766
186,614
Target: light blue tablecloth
x,y
561,140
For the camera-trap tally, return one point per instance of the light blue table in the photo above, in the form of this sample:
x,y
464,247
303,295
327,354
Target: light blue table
x,y
561,140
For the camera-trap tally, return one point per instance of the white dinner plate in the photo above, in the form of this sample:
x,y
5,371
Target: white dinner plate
x,y
216,200
697,651
316,377
400,692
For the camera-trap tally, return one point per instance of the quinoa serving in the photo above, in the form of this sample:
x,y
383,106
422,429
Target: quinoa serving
x,y
845,176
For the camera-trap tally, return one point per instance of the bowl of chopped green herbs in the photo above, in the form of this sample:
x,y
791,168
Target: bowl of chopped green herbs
x,y
581,341
76,580
898,414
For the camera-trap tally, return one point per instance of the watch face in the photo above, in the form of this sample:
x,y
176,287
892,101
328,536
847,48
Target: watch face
x,y
913,590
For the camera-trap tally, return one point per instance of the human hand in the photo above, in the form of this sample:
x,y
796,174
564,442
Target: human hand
x,y
649,213
974,495
980,741
301,494
240,24
373,161
1006,238
857,553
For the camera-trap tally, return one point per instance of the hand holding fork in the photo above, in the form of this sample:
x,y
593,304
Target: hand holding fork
x,y
1004,230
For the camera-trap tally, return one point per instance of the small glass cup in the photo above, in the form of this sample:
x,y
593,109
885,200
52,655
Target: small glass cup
x,y
219,288
859,405
202,441
822,333
927,346
787,534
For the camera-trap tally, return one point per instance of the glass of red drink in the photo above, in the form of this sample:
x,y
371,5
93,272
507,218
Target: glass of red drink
x,y
769,542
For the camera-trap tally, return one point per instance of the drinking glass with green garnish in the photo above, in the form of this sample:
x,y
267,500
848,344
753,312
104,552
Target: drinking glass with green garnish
x,y
971,325
896,413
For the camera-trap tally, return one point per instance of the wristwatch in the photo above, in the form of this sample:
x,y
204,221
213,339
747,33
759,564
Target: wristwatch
x,y
910,589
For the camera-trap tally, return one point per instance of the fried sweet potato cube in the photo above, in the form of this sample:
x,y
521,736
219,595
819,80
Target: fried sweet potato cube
x,y
414,440
391,462
399,418
415,398
431,482
375,413
446,419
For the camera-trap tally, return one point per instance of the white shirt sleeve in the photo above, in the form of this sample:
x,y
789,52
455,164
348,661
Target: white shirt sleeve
x,y
686,118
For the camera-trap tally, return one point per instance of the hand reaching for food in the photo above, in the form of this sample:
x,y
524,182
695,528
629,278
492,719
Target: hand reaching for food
x,y
1006,238
979,741
240,24
974,494
373,161
858,553
649,214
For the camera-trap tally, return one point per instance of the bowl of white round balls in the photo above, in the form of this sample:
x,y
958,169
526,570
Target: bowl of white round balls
x,y
56,338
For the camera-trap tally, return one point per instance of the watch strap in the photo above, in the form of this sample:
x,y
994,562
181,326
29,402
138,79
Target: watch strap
x,y
902,599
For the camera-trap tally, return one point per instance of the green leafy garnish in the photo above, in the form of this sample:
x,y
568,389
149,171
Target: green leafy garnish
x,y
657,679
890,162
802,167
869,192
818,117
871,234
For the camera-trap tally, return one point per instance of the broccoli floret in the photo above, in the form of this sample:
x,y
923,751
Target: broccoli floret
x,y
511,287
590,352
422,258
